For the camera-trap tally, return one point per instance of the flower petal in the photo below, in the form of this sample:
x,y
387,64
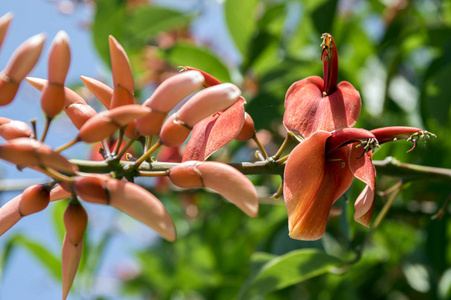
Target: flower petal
x,y
70,259
103,92
214,132
363,169
307,111
304,174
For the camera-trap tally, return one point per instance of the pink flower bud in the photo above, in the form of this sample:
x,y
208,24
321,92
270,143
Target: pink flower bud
x,y
103,92
8,89
29,152
52,99
75,221
120,66
24,58
121,96
106,123
13,129
34,199
4,24
9,214
222,178
205,103
165,98
59,58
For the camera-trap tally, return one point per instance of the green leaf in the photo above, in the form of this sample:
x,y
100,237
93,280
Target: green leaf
x,y
241,22
183,54
287,270
148,21
323,16
108,20
41,253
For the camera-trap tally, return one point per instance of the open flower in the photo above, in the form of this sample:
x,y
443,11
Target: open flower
x,y
314,103
321,169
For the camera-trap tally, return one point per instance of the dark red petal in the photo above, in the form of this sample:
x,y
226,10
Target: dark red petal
x,y
214,132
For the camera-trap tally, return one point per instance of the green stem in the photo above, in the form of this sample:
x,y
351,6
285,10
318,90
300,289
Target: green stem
x,y
48,120
282,147
260,146
129,144
119,141
67,145
146,155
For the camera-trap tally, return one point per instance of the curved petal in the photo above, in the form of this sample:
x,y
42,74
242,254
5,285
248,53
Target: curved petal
x,y
307,111
363,169
214,132
304,174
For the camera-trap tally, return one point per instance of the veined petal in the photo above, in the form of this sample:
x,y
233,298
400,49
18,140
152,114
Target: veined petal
x,y
363,169
307,111
214,132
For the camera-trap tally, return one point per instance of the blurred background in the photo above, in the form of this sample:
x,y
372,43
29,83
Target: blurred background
x,y
397,53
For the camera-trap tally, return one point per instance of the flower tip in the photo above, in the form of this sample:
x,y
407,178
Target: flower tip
x,y
61,37
37,40
232,90
36,82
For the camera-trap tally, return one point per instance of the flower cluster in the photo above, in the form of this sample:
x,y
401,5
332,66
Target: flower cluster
x,y
319,112
321,168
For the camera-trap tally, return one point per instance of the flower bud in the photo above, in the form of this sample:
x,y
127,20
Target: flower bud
x,y
248,130
103,92
106,123
52,99
174,132
222,178
121,96
120,66
4,24
8,89
34,199
14,129
92,189
29,152
75,221
24,58
59,58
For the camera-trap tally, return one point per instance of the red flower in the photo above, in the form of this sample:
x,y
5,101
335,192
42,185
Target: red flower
x,y
320,169
314,104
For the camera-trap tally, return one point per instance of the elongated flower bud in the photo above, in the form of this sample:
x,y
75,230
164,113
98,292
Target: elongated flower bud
x,y
106,123
34,199
166,97
24,58
29,152
205,103
103,92
222,178
129,198
75,106
4,24
53,93
12,129
8,89
122,75
75,221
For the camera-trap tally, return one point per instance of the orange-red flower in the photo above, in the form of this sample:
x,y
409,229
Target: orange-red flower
x,y
321,169
314,103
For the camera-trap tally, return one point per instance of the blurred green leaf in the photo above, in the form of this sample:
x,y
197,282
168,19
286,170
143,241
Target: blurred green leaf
x,y
323,15
42,254
109,19
184,54
148,21
289,269
241,18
